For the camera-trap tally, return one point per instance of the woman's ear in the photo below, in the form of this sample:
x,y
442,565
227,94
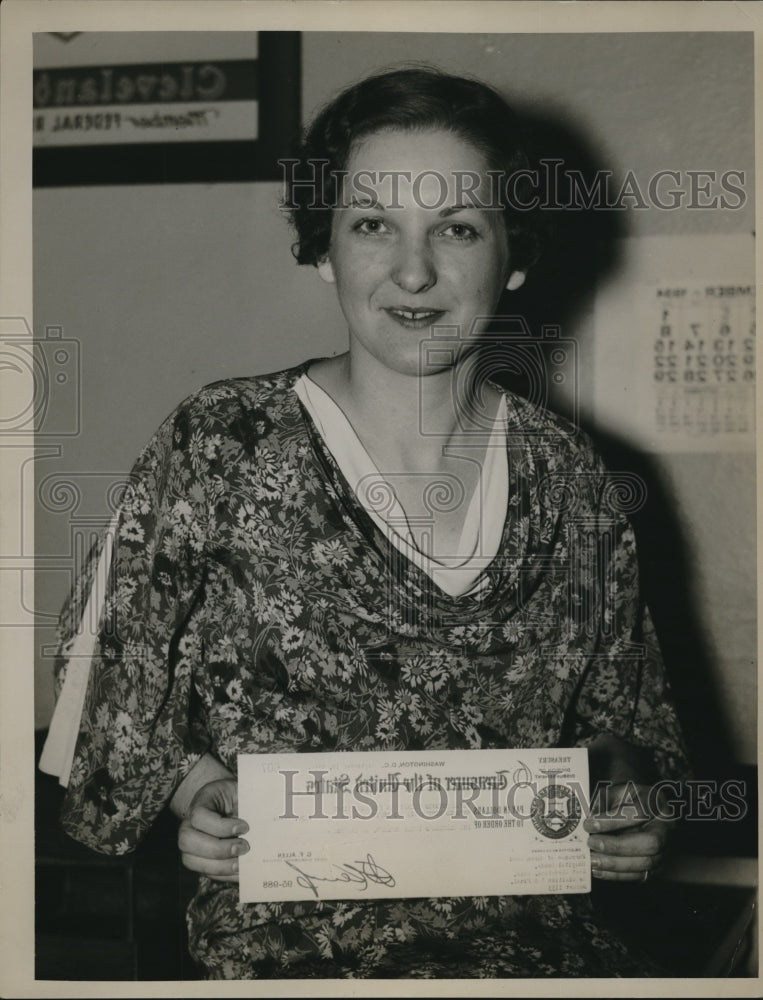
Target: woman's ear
x,y
516,280
326,270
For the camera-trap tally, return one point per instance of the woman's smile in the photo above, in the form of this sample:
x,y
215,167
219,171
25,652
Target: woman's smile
x,y
414,318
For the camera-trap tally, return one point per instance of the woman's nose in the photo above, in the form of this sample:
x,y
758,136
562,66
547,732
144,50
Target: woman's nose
x,y
413,268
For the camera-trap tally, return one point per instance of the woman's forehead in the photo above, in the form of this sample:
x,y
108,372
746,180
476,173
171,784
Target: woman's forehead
x,y
428,163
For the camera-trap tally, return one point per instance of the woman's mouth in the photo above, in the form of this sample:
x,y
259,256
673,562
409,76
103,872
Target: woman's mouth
x,y
414,319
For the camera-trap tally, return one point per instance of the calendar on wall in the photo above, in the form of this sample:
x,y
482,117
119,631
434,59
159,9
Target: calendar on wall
x,y
674,351
704,359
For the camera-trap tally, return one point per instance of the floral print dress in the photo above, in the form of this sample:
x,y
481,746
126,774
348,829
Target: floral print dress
x,y
254,606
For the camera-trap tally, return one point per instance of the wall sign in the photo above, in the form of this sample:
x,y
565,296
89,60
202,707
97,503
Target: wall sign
x,y
173,120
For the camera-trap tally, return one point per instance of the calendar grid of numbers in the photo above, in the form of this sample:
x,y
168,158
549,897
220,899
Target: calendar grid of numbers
x,y
703,364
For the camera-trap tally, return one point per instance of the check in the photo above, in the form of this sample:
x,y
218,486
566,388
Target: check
x,y
418,823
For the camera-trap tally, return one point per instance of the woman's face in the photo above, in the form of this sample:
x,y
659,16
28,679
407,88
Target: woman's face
x,y
411,246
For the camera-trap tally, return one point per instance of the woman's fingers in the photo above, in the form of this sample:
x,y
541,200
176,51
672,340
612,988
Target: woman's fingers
x,y
223,871
622,869
194,841
613,824
630,865
209,821
209,837
210,855
625,856
217,797
637,844
627,840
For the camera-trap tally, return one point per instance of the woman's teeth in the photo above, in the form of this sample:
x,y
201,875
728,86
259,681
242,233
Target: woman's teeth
x,y
415,313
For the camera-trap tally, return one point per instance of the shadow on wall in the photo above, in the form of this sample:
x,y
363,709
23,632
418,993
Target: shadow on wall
x,y
582,252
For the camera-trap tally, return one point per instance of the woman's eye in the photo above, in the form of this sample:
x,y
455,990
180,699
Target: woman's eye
x,y
460,231
370,227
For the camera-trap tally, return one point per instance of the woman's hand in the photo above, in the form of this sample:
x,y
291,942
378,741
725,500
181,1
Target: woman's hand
x,y
209,837
628,840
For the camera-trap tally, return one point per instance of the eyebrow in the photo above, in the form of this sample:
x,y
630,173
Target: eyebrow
x,y
365,203
444,213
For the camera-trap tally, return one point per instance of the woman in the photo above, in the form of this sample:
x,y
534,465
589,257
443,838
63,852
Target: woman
x,y
262,601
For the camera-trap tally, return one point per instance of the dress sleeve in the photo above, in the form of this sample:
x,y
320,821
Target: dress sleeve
x,y
624,690
142,726
73,659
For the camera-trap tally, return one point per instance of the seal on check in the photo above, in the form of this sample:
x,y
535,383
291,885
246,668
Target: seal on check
x,y
555,811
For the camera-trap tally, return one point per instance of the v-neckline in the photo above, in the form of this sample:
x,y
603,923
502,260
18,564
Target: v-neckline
x,y
356,461
414,578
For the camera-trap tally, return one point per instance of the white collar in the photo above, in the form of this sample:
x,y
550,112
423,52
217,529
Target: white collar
x,y
485,517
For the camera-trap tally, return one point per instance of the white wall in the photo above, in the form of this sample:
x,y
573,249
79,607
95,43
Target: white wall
x,y
170,287
646,102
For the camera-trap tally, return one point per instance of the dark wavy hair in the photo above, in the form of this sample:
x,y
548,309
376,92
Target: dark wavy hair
x,y
412,99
